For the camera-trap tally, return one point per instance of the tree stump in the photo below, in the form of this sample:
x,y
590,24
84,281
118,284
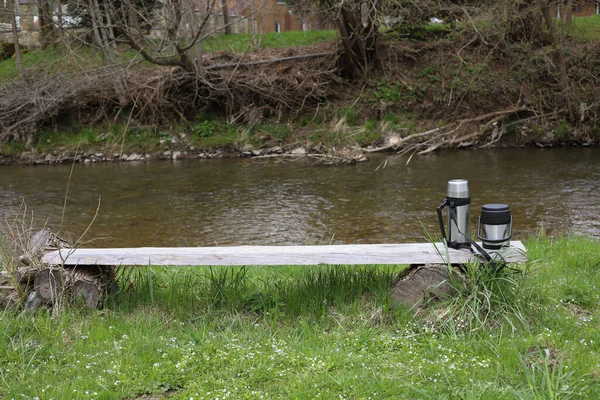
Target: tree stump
x,y
420,283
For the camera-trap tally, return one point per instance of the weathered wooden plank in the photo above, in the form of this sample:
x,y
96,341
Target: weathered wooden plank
x,y
361,254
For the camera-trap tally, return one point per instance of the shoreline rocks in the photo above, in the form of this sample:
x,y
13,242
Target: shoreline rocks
x,y
190,152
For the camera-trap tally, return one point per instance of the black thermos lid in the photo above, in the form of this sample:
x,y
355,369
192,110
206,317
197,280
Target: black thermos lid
x,y
495,214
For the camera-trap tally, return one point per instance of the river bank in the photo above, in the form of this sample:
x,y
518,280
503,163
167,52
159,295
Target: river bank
x,y
324,144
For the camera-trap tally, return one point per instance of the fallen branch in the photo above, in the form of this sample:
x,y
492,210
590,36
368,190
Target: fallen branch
x,y
265,62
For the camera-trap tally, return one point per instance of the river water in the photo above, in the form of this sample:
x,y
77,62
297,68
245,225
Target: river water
x,y
240,202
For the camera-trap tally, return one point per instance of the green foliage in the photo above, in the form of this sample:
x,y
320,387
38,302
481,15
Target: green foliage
x,y
387,93
401,122
486,297
227,286
510,123
62,59
562,131
466,80
12,148
580,294
585,28
351,116
334,286
206,128
417,30
53,140
265,132
226,139
431,73
370,126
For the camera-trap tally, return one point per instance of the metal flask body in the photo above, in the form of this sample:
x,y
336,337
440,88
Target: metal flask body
x,y
495,226
459,200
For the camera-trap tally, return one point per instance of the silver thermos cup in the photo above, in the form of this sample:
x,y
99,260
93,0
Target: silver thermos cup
x,y
459,200
495,226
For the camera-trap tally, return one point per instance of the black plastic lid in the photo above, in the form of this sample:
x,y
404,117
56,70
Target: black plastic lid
x,y
495,214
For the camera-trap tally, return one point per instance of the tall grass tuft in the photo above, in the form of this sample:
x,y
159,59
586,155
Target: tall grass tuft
x,y
486,298
546,378
227,286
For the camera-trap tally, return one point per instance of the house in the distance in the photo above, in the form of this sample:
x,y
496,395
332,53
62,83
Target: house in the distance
x,y
581,8
264,16
26,15
245,16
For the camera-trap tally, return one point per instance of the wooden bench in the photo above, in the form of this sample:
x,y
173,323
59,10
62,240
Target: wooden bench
x,y
357,254
90,273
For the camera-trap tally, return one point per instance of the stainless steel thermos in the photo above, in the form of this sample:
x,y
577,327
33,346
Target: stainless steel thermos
x,y
458,201
495,226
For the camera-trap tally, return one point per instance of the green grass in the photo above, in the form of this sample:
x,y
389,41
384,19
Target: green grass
x,y
98,139
12,149
327,331
240,42
82,57
77,58
586,28
206,134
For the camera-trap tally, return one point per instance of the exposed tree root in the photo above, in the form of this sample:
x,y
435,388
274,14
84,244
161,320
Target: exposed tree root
x,y
458,134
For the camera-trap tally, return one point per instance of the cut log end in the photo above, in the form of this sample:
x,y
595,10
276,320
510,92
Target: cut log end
x,y
49,284
88,292
423,282
89,284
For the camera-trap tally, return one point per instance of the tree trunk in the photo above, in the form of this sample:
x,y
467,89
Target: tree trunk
x,y
225,9
560,7
557,42
569,14
59,17
49,285
358,33
46,25
34,283
173,21
105,39
15,34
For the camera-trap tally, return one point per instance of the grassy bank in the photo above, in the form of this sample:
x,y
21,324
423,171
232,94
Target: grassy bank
x,y
327,332
206,133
